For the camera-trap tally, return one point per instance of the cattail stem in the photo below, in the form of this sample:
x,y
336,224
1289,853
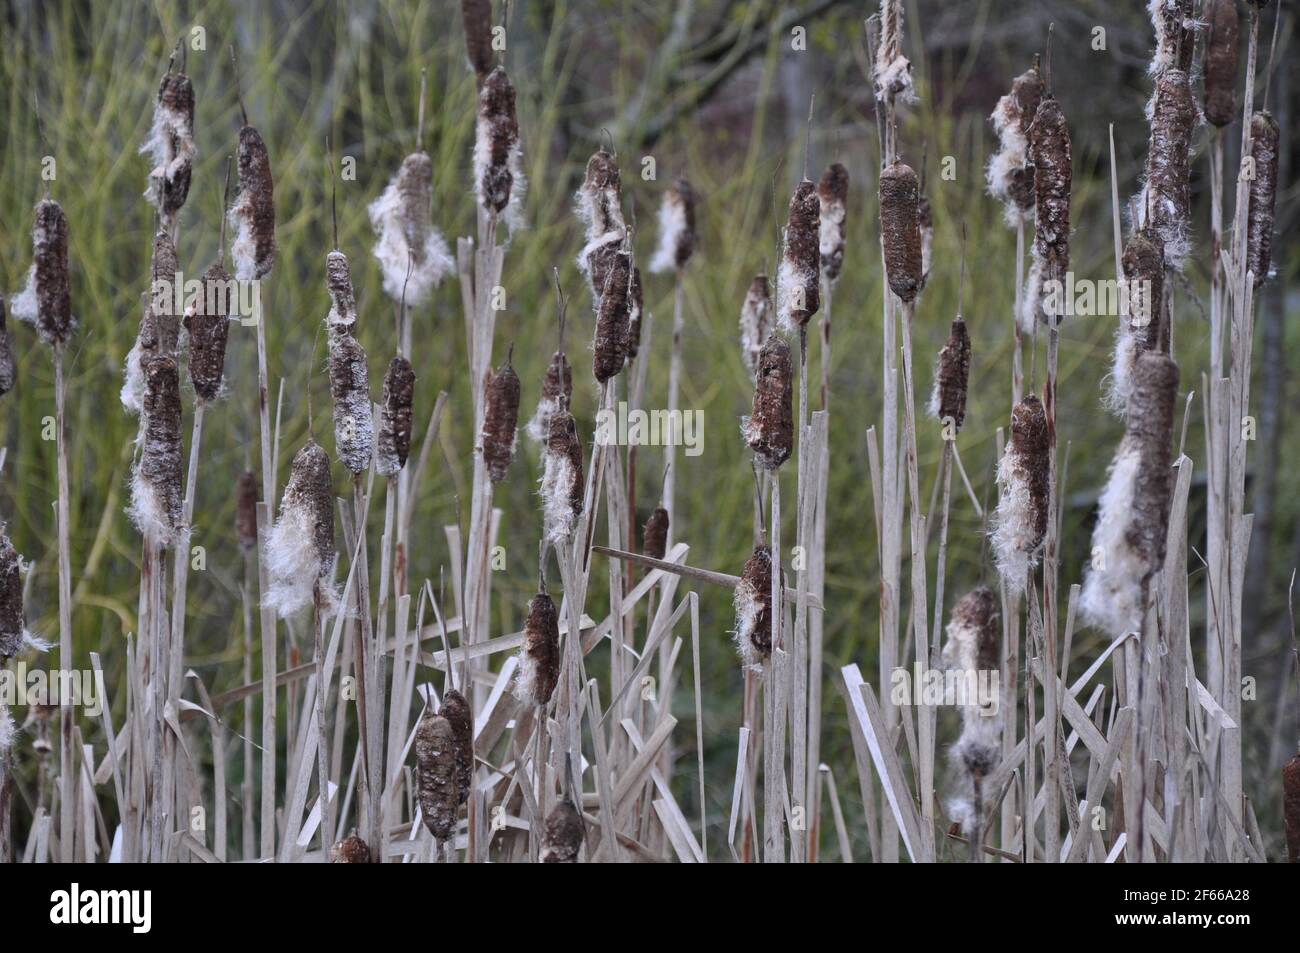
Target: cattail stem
x,y
269,648
67,802
322,746
1051,703
674,386
249,830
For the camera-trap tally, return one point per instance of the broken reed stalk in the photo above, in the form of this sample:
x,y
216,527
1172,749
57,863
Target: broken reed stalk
x,y
676,246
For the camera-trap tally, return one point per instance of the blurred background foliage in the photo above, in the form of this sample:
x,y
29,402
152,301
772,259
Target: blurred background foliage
x,y
711,89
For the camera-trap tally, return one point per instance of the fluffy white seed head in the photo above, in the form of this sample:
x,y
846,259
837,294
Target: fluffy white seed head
x,y
673,226
557,512
1112,589
407,240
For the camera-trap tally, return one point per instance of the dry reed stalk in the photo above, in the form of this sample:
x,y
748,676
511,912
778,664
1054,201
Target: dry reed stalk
x,y
769,429
1264,139
564,834
246,535
755,322
1219,65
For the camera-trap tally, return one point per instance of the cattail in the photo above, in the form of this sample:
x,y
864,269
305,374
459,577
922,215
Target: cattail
x,y
1049,154
246,509
393,444
1142,326
676,229
635,307
1220,61
46,301
208,328
171,145
539,656
755,321
437,775
1175,35
350,850
972,648
598,206
456,710
654,537
1166,198
12,628
500,421
1010,175
563,836
609,349
1132,523
832,196
348,373
1291,808
412,254
159,332
476,15
952,377
557,388
300,546
1264,133
900,235
253,214
498,176
6,354
1021,519
769,429
562,485
798,287
156,483
893,73
753,604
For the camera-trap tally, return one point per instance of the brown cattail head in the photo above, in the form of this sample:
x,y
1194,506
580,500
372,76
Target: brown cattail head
x,y
832,194
1050,155
1291,808
246,510
437,775
769,429
635,307
46,301
654,538
350,850
343,302
977,613
171,145
753,604
253,214
1010,175
539,657
1021,519
755,321
156,485
1167,197
562,484
893,72
456,710
599,199
609,349
500,421
496,145
476,15
208,333
300,546
1175,35
1220,61
412,254
900,233
952,377
563,836
798,281
12,628
1143,326
925,225
676,229
350,388
160,331
393,444
6,353
1150,429
557,388
1264,134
